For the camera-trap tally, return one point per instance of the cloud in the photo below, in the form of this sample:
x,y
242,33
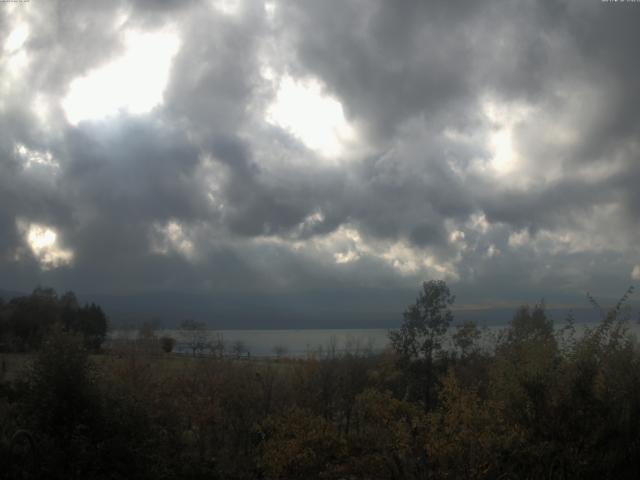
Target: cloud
x,y
300,145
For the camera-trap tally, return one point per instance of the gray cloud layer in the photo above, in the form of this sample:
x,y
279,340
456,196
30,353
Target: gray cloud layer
x,y
203,193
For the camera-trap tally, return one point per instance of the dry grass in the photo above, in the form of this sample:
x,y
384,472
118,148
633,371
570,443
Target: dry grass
x,y
13,366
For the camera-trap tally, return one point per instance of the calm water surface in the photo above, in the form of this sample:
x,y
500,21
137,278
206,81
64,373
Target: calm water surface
x,y
292,342
304,342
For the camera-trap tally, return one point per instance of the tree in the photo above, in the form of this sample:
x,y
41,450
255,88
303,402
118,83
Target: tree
x,y
27,320
69,300
63,401
466,338
61,382
218,345
32,316
419,339
238,348
387,441
301,445
147,330
167,343
280,350
425,322
93,326
465,433
530,324
194,335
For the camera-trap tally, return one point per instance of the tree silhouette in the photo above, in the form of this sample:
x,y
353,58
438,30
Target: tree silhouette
x,y
420,337
194,335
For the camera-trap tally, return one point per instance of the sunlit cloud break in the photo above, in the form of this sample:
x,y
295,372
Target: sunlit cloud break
x,y
133,83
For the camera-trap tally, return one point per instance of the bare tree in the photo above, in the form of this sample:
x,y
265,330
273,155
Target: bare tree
x,y
280,350
332,346
219,345
238,348
194,335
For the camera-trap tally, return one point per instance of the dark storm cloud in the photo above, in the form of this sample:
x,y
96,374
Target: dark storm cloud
x,y
259,205
216,70
67,39
255,209
605,41
386,62
203,193
133,170
436,63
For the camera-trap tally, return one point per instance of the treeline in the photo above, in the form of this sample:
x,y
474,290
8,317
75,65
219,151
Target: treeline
x,y
26,320
539,402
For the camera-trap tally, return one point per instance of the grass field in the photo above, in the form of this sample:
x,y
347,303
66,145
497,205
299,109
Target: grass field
x,y
14,365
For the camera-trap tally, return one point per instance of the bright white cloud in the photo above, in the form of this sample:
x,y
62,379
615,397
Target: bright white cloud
x,y
134,83
309,222
478,222
346,245
504,118
492,251
346,257
270,9
519,239
43,243
595,233
503,154
16,38
14,59
172,237
228,7
316,119
32,157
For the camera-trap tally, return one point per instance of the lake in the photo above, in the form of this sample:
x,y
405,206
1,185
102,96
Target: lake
x,y
302,342
291,342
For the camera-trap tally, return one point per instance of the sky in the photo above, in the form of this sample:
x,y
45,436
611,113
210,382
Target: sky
x,y
321,149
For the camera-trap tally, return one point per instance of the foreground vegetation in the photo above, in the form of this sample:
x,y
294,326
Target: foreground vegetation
x,y
542,402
